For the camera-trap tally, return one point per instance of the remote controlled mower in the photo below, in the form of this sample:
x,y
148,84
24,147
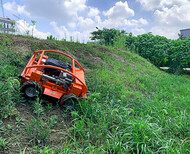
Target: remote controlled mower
x,y
48,76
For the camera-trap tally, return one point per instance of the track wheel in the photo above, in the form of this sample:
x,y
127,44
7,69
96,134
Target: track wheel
x,y
69,101
31,90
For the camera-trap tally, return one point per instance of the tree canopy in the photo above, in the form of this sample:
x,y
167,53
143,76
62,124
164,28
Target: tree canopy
x,y
106,36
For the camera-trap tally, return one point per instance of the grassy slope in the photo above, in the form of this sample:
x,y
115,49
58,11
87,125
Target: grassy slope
x,y
132,106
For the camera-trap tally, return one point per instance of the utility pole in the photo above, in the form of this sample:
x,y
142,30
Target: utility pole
x,y
2,8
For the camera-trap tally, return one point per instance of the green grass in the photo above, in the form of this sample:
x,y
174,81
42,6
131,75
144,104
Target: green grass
x,y
132,106
138,109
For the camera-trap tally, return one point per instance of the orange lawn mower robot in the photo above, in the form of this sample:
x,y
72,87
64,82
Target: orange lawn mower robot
x,y
54,78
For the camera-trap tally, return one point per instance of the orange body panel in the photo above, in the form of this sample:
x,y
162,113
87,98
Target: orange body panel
x,y
34,71
53,93
77,89
80,74
36,75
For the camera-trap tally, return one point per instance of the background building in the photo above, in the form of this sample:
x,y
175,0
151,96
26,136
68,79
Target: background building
x,y
7,25
184,33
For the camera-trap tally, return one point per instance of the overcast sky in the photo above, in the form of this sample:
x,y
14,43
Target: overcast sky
x,y
77,18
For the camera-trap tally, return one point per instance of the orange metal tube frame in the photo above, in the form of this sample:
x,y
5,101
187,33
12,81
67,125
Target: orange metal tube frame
x,y
73,60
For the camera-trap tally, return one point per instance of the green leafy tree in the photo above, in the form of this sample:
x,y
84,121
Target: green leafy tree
x,y
120,39
129,41
164,52
33,25
154,48
105,36
179,55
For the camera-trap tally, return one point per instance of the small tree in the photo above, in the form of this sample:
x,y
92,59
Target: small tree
x,y
33,24
105,36
51,38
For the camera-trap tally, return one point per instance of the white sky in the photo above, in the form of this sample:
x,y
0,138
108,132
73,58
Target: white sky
x,y
77,18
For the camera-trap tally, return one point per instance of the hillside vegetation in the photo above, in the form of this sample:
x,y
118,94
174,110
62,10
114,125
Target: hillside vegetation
x,y
132,106
159,50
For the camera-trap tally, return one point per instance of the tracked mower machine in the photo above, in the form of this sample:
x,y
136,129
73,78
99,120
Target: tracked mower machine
x,y
48,76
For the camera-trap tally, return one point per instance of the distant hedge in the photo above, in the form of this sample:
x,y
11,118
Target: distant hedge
x,y
161,51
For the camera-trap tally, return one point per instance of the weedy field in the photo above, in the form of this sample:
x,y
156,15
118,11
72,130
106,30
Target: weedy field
x,y
132,106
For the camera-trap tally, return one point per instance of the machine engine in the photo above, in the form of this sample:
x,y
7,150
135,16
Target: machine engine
x,y
59,77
